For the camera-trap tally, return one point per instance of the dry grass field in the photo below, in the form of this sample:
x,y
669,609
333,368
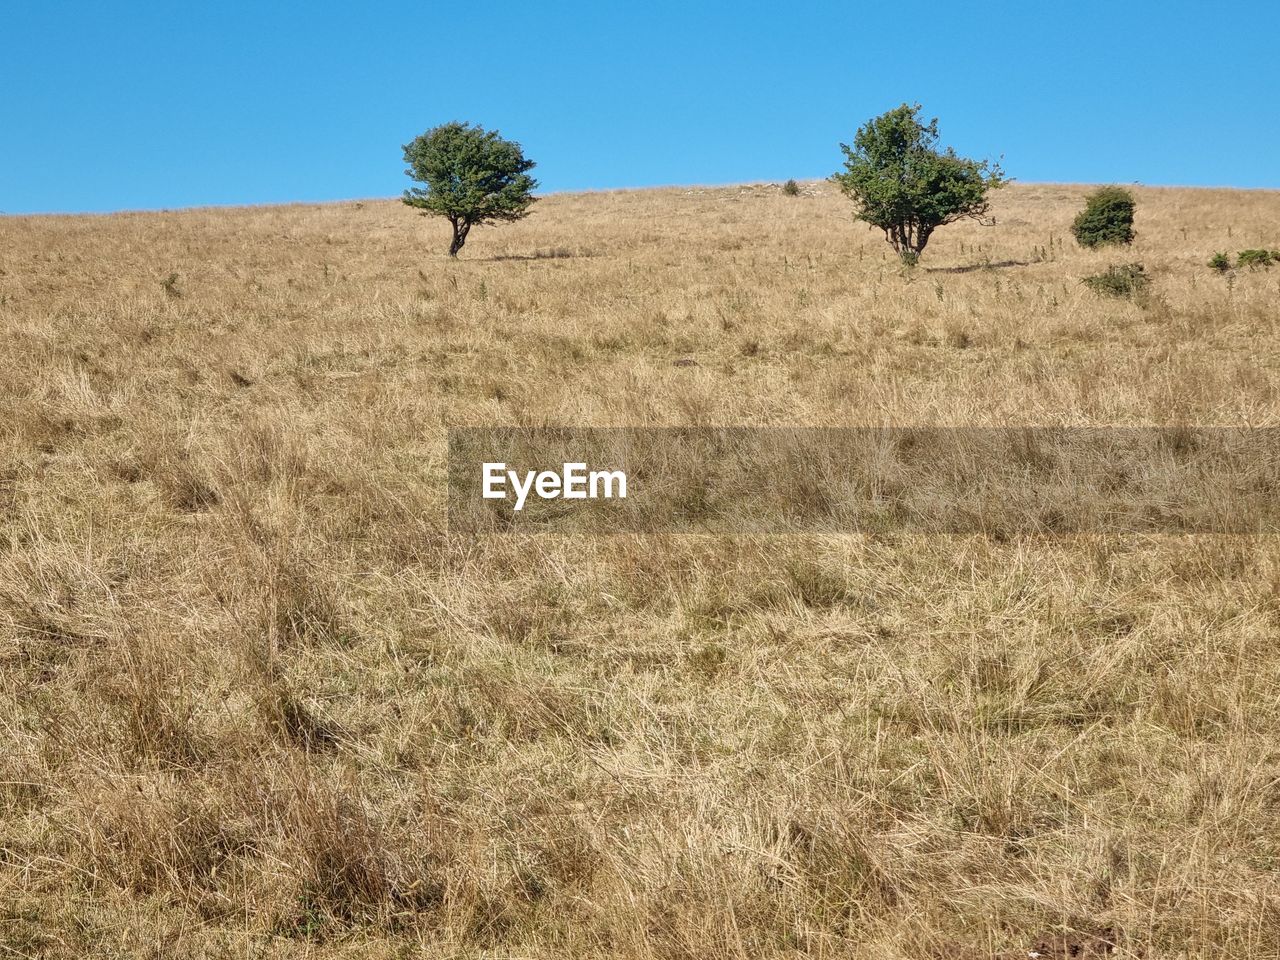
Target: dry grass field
x,y
256,702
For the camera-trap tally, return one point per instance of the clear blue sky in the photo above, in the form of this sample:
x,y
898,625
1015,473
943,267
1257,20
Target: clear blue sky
x,y
107,106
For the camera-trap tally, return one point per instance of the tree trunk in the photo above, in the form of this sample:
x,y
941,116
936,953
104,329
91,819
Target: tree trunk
x,y
460,230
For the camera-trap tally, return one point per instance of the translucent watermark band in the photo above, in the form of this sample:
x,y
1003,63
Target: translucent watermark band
x,y
763,480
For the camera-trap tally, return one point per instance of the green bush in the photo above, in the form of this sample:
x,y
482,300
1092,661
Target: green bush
x,y
1107,217
1257,258
1220,262
1128,281
791,188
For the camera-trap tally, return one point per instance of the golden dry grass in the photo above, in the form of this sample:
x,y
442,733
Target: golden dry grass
x,y
254,700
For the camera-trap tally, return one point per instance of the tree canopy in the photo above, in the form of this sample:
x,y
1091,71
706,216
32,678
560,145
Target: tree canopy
x,y
905,185
470,175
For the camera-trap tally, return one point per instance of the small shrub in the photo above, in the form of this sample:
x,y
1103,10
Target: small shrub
x,y
791,188
1107,217
1128,281
1220,262
1257,258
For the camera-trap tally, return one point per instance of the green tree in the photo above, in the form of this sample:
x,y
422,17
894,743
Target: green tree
x,y
1107,217
471,176
903,184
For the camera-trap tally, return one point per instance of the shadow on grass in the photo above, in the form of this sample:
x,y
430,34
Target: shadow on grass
x,y
555,254
995,265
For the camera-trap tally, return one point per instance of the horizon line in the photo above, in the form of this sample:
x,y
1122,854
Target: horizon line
x,y
584,191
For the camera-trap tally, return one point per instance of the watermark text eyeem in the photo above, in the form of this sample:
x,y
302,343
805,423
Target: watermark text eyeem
x,y
573,482
997,481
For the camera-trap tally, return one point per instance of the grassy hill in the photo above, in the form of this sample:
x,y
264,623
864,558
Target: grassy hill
x,y
255,701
